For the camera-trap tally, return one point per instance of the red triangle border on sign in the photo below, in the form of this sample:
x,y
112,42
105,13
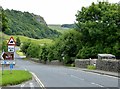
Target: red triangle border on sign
x,y
13,40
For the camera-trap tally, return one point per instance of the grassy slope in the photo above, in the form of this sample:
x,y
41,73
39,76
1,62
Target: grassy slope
x,y
23,39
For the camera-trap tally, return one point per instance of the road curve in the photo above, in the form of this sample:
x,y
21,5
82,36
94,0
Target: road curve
x,y
59,76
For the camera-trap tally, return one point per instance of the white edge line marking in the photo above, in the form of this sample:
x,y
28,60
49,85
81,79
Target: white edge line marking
x,y
39,82
25,69
97,84
98,74
31,85
22,85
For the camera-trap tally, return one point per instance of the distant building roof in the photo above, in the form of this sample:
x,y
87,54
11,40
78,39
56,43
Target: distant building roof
x,y
100,56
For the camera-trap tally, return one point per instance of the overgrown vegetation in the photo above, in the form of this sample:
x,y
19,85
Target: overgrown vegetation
x,y
91,67
18,41
64,49
4,46
100,28
97,31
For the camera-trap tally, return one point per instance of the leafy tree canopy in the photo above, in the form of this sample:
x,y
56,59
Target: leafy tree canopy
x,y
100,27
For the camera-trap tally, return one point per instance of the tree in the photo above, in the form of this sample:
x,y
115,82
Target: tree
x,y
18,41
4,46
99,25
43,54
26,24
33,50
67,46
3,20
25,46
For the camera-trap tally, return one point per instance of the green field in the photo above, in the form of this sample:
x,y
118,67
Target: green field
x,y
58,28
24,39
16,77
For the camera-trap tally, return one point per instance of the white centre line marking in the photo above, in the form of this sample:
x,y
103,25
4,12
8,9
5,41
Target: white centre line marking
x,y
77,77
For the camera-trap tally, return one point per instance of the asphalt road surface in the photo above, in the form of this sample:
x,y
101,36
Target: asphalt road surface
x,y
60,76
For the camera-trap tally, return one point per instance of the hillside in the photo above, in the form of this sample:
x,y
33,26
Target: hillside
x,y
27,24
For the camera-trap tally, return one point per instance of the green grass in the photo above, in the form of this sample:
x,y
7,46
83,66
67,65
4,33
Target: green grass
x,y
91,67
20,53
0,78
37,41
17,77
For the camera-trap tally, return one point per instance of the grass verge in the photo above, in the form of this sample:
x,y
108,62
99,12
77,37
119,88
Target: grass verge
x,y
20,53
17,77
0,78
91,67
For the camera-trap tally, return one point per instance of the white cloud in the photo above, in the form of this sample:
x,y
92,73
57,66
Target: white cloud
x,y
53,11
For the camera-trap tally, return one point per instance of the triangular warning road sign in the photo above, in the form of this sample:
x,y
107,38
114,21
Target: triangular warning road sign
x,y
11,41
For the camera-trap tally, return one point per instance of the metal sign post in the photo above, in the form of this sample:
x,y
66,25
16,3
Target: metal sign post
x,y
11,50
2,69
8,57
11,67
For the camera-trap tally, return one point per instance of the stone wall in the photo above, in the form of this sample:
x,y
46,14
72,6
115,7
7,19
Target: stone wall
x,y
54,62
108,65
82,63
35,60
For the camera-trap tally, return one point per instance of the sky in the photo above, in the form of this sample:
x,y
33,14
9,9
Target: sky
x,y
53,11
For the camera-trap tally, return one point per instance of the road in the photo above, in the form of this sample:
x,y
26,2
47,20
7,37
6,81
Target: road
x,y
60,76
